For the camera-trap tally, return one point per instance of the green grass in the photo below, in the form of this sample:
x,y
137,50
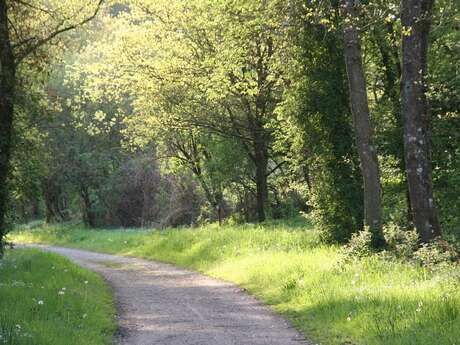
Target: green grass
x,y
47,300
369,302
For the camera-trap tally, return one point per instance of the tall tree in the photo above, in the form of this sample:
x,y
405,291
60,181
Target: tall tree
x,y
7,87
324,124
16,46
416,21
362,123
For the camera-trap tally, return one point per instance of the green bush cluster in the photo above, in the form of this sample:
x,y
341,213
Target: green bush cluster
x,y
401,244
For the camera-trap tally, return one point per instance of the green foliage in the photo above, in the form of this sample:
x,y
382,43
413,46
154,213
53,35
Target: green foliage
x,y
359,246
172,113
403,245
194,86
401,242
325,138
371,301
46,300
444,95
436,253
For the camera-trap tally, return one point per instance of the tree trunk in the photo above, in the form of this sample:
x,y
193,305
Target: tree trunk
x,y
54,200
7,89
261,163
35,208
363,126
87,207
415,18
220,211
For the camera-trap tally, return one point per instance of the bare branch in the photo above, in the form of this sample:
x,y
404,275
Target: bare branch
x,y
41,9
40,42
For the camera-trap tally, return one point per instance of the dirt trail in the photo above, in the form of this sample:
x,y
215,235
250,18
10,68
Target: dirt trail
x,y
159,304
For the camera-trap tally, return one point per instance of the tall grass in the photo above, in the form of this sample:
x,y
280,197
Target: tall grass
x,y
47,300
370,301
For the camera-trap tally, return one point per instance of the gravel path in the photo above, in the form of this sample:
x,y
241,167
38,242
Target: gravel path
x,y
159,304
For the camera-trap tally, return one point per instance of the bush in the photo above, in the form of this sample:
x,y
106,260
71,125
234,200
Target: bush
x,y
179,200
400,242
359,246
438,252
138,195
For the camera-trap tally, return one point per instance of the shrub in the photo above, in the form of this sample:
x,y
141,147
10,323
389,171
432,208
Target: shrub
x,y
438,252
400,242
359,246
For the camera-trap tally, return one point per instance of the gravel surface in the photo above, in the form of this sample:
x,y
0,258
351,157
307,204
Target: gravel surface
x,y
164,305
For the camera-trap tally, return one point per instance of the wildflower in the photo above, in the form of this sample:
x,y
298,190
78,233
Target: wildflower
x,y
85,315
86,282
40,302
349,318
61,293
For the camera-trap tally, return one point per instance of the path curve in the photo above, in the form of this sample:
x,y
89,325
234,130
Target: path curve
x,y
159,304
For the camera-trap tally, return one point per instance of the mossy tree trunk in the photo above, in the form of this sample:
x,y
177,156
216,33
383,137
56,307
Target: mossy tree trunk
x,y
416,22
362,124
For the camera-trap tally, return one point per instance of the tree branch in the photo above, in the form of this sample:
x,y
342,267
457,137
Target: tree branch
x,y
40,42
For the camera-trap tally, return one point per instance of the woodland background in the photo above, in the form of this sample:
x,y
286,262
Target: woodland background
x,y
161,113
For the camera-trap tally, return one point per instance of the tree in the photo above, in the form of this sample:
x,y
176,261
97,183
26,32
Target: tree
x,y
416,21
18,43
212,67
7,88
362,124
444,98
323,125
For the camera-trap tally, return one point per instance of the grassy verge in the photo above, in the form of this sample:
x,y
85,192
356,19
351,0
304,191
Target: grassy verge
x,y
47,300
368,302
